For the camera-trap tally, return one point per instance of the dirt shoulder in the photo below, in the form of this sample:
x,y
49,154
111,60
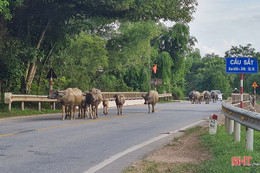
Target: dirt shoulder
x,y
183,150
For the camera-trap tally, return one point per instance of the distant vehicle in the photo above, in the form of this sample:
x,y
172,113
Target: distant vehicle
x,y
219,94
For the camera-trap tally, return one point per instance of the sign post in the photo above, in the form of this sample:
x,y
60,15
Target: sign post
x,y
51,75
155,82
254,86
242,65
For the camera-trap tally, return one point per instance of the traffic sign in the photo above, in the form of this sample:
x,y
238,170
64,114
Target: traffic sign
x,y
157,81
51,74
254,85
241,65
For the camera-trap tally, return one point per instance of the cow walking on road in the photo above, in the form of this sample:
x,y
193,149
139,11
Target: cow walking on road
x,y
152,98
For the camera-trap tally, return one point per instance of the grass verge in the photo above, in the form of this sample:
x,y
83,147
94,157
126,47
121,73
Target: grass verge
x,y
222,148
31,109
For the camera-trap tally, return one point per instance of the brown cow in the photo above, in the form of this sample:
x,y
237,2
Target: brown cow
x,y
105,106
94,98
120,100
151,97
69,98
195,97
214,96
207,97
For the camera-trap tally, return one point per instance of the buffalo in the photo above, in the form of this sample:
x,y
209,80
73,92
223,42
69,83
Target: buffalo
x,y
151,97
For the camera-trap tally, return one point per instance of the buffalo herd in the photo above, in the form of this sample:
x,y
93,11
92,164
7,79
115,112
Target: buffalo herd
x,y
87,103
197,97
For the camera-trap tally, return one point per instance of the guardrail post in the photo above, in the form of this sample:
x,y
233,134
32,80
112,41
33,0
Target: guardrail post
x,y
54,106
237,129
22,106
249,139
10,106
226,123
230,126
39,106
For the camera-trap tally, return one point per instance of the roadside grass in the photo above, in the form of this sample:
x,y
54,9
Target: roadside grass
x,y
221,147
30,109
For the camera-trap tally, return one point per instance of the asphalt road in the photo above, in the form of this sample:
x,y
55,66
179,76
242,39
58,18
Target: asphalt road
x,y
46,144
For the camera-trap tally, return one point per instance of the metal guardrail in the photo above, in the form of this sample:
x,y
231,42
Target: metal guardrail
x,y
235,116
244,117
131,95
128,95
9,98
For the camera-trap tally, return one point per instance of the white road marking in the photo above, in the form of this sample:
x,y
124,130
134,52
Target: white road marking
x,y
136,147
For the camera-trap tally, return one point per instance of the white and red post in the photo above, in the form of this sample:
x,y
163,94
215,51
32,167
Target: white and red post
x,y
249,131
51,83
237,126
241,91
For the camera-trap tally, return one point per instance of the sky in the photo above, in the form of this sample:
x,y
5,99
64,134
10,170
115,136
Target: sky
x,y
220,24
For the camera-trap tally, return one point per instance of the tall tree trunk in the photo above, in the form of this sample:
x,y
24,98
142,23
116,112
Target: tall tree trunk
x,y
31,69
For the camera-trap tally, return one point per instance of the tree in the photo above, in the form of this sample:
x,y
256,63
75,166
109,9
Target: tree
x,y
165,64
178,43
40,23
129,50
208,73
4,10
82,61
241,51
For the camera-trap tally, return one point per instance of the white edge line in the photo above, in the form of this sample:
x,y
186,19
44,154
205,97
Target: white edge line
x,y
118,155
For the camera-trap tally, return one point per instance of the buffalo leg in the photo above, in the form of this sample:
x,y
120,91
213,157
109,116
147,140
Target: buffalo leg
x,y
96,107
72,113
118,109
63,112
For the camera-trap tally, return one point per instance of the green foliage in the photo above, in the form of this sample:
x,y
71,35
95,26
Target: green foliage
x,y
248,82
4,10
83,60
12,64
132,45
208,74
241,51
165,65
178,43
104,44
129,51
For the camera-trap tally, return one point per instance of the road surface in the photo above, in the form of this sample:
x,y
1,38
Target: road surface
x,y
46,144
